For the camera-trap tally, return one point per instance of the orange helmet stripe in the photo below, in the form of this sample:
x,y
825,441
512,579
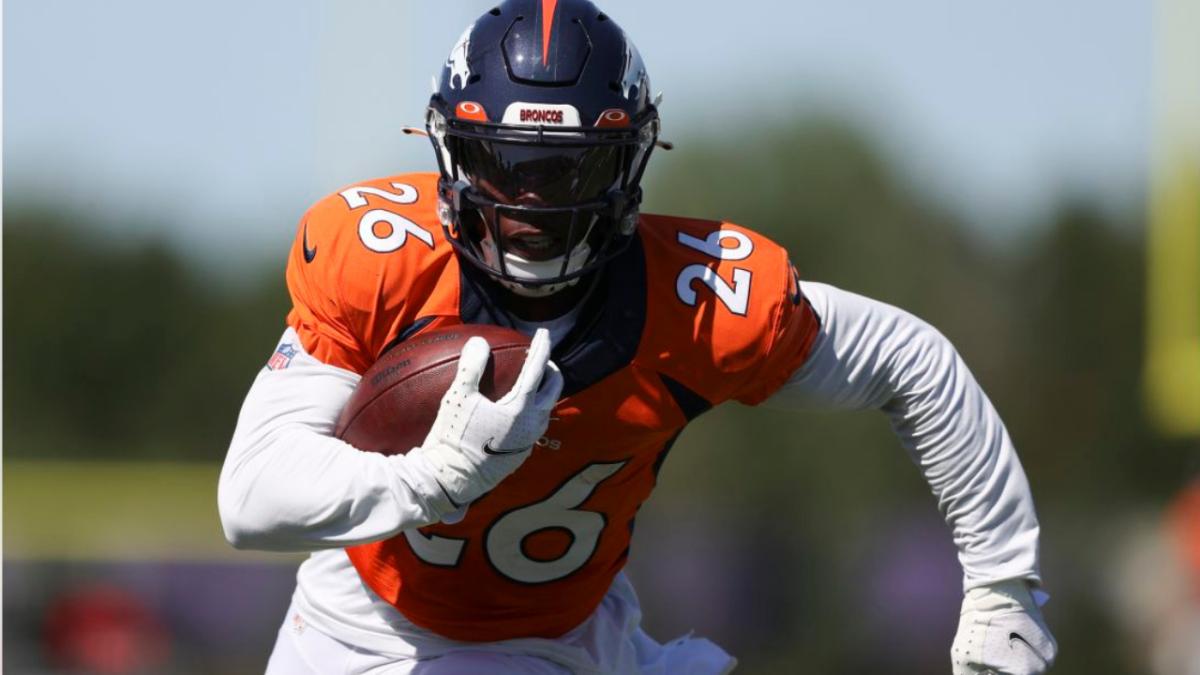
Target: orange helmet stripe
x,y
548,7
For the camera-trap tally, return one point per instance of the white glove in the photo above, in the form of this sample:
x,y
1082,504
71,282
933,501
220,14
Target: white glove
x,y
1001,632
475,443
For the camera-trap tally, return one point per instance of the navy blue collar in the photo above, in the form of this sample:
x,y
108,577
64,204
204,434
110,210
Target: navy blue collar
x,y
606,336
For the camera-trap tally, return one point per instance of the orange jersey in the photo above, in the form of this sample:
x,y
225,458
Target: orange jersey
x,y
692,314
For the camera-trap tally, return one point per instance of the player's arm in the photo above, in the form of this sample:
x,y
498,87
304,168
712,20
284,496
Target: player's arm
x,y
287,485
868,354
871,355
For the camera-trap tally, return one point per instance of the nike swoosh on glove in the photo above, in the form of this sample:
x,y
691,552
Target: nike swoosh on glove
x,y
475,442
1002,632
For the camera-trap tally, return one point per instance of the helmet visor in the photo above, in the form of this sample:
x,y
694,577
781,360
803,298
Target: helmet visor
x,y
540,175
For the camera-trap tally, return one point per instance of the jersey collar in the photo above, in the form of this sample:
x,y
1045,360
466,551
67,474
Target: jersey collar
x,y
606,336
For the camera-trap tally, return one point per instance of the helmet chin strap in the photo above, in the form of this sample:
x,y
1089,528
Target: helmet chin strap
x,y
536,270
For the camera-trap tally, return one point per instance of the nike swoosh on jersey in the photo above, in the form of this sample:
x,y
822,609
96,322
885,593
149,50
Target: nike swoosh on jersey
x,y
309,253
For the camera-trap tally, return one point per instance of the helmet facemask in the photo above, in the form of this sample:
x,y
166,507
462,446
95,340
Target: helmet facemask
x,y
539,207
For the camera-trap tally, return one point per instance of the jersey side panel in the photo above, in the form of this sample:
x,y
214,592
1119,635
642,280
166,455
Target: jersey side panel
x,y
360,259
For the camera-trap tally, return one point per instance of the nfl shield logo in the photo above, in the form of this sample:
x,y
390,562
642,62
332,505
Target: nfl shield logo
x,y
282,357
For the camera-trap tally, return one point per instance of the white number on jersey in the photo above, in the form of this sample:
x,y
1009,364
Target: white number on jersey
x,y
397,231
397,227
711,244
354,196
506,535
559,512
435,550
735,296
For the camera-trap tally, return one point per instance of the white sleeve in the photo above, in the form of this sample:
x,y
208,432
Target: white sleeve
x,y
288,485
872,355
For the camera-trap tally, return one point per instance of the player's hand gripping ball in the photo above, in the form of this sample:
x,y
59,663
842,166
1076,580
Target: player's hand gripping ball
x,y
469,401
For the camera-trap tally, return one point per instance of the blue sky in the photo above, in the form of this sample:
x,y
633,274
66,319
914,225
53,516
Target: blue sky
x,y
228,118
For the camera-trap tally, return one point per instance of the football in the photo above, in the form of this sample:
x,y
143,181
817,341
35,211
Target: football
x,y
395,404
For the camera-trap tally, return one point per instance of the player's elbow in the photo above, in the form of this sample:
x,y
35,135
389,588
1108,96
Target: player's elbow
x,y
245,527
254,498
238,532
241,530
263,513
239,536
243,512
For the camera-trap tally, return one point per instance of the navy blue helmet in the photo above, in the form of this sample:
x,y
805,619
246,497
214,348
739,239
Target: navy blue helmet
x,y
542,116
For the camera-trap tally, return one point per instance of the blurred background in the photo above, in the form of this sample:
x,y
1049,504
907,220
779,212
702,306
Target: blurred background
x,y
1024,175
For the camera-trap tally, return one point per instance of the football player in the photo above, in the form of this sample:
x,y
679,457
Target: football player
x,y
497,545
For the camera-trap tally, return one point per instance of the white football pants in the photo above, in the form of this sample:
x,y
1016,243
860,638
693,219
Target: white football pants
x,y
301,649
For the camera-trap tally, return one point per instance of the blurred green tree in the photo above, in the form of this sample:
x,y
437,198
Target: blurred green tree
x,y
121,351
